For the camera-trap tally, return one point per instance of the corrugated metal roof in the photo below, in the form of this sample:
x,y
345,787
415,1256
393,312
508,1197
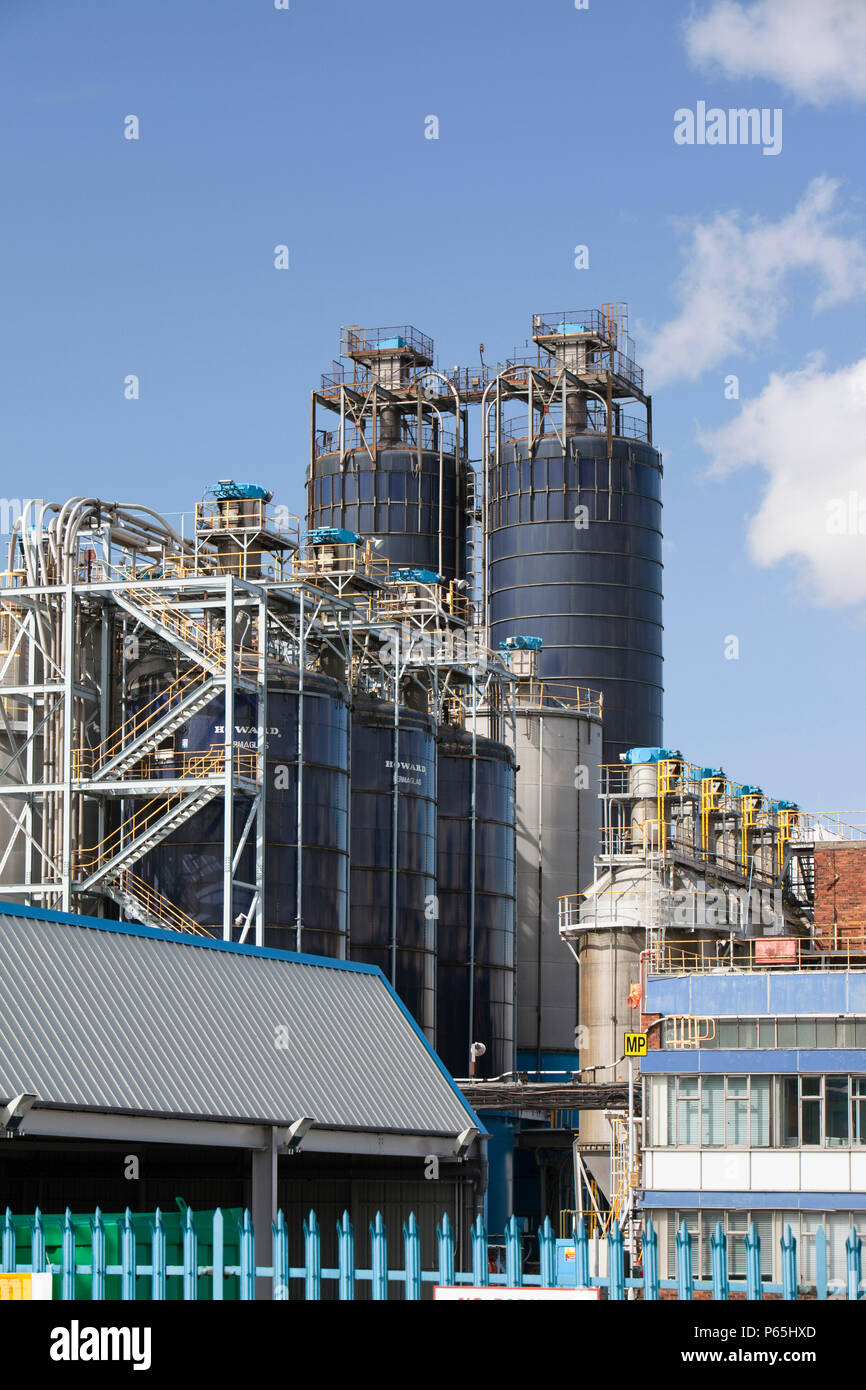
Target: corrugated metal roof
x,y
101,1015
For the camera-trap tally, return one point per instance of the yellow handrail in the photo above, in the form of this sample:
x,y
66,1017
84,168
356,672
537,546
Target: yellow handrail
x,y
158,905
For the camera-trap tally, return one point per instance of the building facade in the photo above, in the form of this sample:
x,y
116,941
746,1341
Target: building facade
x,y
764,1119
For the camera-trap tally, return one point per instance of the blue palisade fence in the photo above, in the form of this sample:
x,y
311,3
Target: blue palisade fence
x,y
218,1260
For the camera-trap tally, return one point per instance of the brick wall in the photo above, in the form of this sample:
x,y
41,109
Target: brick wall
x,y
840,893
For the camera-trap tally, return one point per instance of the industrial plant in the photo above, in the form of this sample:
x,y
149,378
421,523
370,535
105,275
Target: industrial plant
x,y
419,732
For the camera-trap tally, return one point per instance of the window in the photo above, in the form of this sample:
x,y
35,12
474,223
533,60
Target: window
x,y
711,1111
735,1224
789,1132
836,1110
687,1110
760,1091
858,1109
810,1109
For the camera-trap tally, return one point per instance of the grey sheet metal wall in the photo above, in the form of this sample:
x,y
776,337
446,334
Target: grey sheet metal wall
x,y
558,817
475,932
588,583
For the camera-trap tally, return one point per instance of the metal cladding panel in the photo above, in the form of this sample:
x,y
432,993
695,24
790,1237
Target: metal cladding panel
x,y
667,996
593,591
558,823
116,1020
856,1001
808,993
735,995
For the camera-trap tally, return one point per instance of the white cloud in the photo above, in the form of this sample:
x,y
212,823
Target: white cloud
x,y
731,288
816,49
808,430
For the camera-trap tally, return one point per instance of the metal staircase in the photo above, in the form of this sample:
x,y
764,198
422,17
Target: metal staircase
x,y
140,832
194,639
148,727
143,903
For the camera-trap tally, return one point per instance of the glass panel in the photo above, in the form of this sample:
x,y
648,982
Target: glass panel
x,y
738,1122
825,1033
806,1032
860,1034
713,1110
709,1220
659,1130
767,1034
858,1108
845,1034
764,1226
728,1034
688,1131
760,1111
836,1110
810,1119
748,1034
787,1032
811,1085
788,1128
738,1085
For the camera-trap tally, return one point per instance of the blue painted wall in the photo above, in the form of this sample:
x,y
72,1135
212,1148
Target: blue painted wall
x,y
772,993
714,1061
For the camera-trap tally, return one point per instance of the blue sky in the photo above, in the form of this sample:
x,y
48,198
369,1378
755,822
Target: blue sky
x,y
306,127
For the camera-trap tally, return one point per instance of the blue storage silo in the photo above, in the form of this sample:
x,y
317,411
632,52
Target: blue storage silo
x,y
187,866
391,465
592,591
396,501
393,842
475,929
574,518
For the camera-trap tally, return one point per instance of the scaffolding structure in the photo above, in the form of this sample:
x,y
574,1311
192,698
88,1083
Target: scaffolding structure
x,y
116,629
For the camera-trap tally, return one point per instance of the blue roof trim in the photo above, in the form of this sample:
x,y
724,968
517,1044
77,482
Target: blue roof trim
x,y
269,953
743,1201
184,939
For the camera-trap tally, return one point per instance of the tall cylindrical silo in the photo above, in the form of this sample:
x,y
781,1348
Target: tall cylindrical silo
x,y
393,840
575,556
397,500
187,866
475,902
558,751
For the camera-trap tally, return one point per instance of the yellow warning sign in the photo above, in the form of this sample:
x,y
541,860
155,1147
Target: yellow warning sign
x,y
24,1287
635,1044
